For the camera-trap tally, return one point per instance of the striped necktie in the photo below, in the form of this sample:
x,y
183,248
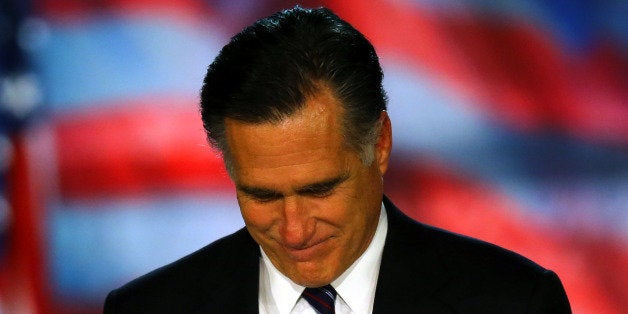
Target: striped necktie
x,y
321,299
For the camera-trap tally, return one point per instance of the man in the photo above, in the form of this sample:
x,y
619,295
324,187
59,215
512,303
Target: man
x,y
295,104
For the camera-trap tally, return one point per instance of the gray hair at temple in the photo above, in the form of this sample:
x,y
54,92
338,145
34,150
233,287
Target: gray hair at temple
x,y
268,71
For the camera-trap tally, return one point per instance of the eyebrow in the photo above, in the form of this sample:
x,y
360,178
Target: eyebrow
x,y
325,185
259,192
316,187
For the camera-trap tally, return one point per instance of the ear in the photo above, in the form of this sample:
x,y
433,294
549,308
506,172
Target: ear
x,y
384,143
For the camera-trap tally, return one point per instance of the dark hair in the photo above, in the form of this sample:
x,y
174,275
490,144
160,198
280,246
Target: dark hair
x,y
267,71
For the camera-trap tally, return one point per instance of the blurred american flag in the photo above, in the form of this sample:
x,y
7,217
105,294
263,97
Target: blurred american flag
x,y
510,123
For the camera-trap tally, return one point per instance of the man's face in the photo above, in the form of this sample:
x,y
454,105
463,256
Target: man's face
x,y
305,197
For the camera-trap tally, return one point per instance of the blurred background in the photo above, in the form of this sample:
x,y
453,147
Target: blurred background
x,y
510,122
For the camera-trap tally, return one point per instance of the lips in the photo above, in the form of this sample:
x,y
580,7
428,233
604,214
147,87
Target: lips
x,y
307,253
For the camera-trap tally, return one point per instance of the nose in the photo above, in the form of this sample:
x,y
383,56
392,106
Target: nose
x,y
297,228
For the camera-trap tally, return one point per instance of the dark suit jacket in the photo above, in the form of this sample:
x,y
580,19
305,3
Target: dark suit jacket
x,y
423,270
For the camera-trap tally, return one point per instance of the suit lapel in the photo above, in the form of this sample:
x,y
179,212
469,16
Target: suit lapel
x,y
237,291
411,271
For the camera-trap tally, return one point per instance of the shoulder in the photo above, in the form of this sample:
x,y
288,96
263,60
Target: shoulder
x,y
180,285
487,278
453,251
468,272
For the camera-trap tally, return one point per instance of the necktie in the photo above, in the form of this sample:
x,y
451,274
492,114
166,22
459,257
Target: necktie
x,y
321,299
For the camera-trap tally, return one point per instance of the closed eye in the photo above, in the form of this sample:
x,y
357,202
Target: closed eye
x,y
322,189
318,191
260,195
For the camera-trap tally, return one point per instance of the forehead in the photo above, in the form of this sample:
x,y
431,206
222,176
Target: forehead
x,y
308,139
318,120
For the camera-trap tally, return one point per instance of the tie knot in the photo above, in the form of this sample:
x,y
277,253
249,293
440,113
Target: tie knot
x,y
321,298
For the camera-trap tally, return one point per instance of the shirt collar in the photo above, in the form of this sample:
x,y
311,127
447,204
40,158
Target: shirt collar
x,y
363,273
279,289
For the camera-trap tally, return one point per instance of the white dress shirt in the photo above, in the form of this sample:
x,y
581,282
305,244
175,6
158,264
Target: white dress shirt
x,y
355,287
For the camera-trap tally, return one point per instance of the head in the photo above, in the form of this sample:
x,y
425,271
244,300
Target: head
x,y
266,72
296,105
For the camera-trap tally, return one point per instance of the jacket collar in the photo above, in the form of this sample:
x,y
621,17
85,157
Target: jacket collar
x,y
410,267
411,270
234,288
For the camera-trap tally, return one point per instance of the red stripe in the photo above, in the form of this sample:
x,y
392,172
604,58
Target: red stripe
x,y
315,298
144,151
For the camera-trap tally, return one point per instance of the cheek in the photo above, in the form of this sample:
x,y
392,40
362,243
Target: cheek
x,y
342,209
362,205
257,217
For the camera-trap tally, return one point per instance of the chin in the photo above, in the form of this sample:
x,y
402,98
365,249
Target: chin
x,y
313,277
313,283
